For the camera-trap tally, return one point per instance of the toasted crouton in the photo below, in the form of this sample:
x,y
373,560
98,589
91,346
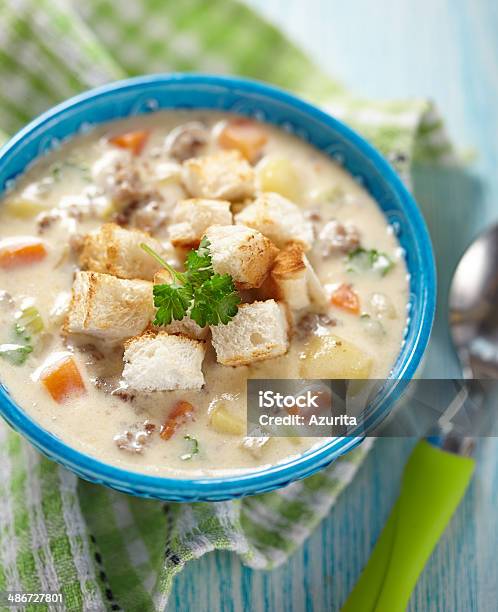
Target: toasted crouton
x,y
115,250
191,218
293,280
109,308
242,252
163,277
163,362
187,327
258,331
224,175
278,219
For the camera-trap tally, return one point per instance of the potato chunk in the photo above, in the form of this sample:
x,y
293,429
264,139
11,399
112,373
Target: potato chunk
x,y
279,175
332,357
223,421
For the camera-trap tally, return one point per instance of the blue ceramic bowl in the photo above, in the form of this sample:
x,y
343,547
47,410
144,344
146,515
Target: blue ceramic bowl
x,y
147,94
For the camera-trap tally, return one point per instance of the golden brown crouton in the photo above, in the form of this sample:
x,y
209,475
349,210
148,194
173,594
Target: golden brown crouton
x,y
278,219
258,331
293,280
115,250
289,263
224,175
158,361
191,218
109,308
242,252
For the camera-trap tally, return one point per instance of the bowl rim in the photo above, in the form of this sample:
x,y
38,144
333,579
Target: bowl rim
x,y
259,479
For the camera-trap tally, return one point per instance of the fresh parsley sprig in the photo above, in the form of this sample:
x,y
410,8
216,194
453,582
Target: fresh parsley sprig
x,y
206,297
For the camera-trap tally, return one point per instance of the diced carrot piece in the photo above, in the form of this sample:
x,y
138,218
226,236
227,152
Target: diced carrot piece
x,y
134,141
21,252
63,380
247,136
182,412
344,297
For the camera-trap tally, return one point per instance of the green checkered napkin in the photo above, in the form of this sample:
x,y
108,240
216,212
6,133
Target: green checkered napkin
x,y
102,549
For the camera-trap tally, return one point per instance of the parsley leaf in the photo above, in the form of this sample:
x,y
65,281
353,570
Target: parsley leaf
x,y
15,353
361,260
172,302
215,301
194,448
28,324
206,297
199,265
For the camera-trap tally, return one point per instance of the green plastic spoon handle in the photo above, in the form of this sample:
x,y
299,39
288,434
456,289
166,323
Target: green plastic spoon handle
x,y
434,482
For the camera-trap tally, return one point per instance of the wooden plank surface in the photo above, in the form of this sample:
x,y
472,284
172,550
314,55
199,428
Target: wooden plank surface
x,y
446,50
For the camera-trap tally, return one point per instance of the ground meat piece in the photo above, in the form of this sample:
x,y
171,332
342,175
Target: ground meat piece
x,y
126,186
313,215
138,205
135,438
123,217
77,213
336,237
149,218
124,394
5,298
46,220
187,140
146,215
76,242
7,303
92,351
108,385
118,175
311,323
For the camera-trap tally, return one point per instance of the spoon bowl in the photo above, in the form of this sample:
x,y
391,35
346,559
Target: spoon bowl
x,y
473,303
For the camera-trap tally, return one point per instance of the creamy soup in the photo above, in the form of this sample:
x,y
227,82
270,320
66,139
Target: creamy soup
x,y
293,272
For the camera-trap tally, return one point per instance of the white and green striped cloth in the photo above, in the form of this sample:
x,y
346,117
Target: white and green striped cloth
x,y
105,550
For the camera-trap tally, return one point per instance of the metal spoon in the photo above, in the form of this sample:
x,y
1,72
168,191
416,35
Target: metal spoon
x,y
439,470
473,303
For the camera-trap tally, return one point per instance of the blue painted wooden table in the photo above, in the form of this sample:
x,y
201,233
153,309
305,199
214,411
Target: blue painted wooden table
x,y
446,50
